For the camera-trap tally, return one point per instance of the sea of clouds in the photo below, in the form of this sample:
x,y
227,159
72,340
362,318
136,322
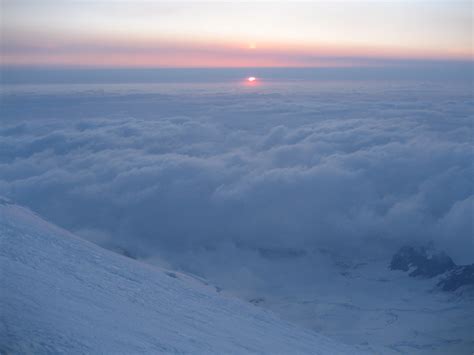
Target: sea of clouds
x,y
169,170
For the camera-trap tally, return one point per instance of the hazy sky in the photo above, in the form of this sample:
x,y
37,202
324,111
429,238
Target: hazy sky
x,y
145,33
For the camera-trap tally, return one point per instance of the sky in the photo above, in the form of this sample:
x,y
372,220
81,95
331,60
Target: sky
x,y
150,34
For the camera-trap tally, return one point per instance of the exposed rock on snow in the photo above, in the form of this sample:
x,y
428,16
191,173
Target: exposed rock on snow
x,y
458,277
421,261
428,263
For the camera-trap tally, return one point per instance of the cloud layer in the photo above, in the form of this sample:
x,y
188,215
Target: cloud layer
x,y
295,166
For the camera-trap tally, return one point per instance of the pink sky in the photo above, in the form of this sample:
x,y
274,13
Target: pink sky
x,y
112,33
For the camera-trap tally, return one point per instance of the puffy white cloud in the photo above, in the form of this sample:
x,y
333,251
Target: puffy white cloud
x,y
279,167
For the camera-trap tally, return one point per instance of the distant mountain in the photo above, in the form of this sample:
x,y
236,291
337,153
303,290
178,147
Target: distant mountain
x,y
61,294
425,261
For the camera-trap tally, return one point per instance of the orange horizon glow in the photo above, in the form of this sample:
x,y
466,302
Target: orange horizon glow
x,y
105,52
131,33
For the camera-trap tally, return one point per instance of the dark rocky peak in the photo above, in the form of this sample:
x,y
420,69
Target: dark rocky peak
x,y
421,261
427,262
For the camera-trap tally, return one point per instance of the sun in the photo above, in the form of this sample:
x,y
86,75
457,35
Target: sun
x,y
251,81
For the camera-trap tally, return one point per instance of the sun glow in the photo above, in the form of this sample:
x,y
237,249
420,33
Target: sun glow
x,y
251,79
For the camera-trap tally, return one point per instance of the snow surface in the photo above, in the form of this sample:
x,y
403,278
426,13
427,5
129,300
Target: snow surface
x,y
62,294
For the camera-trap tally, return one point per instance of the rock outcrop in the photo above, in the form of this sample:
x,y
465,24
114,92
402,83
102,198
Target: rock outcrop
x,y
426,262
421,261
457,277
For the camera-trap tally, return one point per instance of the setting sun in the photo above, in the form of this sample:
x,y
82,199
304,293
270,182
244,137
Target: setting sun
x,y
251,79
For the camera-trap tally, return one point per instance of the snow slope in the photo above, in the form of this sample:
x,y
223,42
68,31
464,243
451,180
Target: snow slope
x,y
61,294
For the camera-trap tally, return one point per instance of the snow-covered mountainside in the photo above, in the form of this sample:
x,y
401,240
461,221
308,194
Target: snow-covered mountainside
x,y
61,294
